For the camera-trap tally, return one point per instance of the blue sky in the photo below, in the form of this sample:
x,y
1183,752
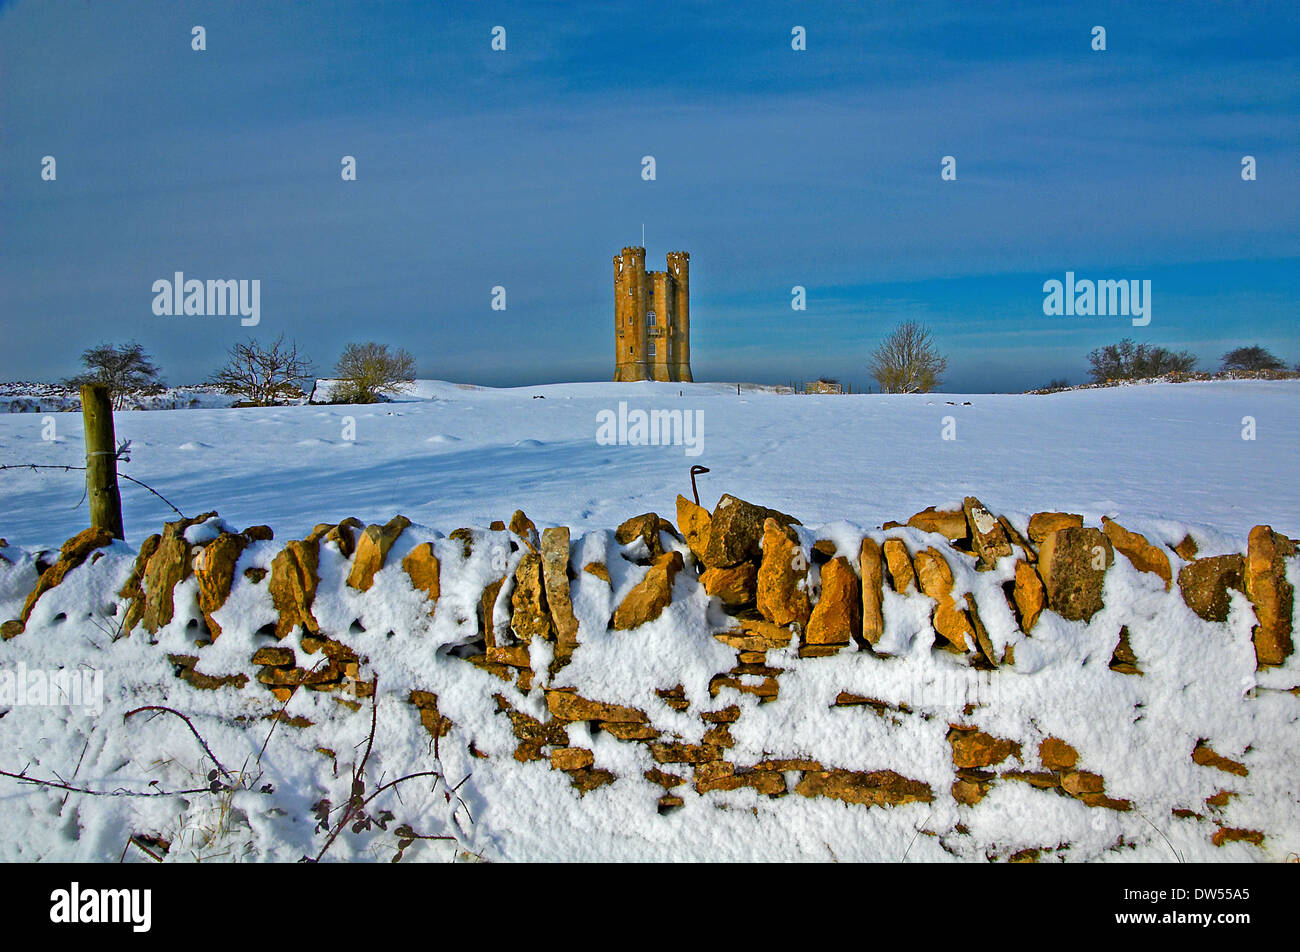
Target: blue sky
x,y
775,168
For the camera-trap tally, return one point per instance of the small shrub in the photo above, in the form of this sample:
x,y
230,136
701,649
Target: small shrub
x,y
1129,361
367,372
1251,358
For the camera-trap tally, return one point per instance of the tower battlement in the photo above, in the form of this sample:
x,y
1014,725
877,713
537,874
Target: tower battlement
x,y
652,317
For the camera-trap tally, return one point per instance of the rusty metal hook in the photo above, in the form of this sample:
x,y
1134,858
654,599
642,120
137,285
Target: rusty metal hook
x,y
694,471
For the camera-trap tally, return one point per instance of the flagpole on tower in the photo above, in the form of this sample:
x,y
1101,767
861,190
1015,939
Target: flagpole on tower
x,y
642,234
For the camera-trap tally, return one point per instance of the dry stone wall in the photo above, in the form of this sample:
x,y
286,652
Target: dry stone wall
x,y
773,587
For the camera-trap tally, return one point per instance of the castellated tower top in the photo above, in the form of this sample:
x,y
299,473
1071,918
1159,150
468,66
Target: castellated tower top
x,y
652,317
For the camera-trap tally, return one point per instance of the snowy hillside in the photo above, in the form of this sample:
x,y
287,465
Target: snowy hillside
x,y
454,454
697,687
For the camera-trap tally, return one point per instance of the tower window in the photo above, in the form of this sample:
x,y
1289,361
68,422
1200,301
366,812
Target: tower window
x,y
651,351
650,318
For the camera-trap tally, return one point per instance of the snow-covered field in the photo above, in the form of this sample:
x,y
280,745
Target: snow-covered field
x,y
1161,459
463,456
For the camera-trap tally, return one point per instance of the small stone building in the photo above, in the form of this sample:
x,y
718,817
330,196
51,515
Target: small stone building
x,y
823,385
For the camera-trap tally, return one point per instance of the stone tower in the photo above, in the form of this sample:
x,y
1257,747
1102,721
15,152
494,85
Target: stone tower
x,y
652,318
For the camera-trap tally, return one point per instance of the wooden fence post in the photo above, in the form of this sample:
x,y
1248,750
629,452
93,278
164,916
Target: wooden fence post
x,y
101,459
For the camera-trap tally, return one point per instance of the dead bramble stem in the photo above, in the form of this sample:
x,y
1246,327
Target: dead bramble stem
x,y
193,730
24,778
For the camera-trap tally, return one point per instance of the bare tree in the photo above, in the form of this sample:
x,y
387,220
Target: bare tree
x,y
124,368
367,370
264,375
907,362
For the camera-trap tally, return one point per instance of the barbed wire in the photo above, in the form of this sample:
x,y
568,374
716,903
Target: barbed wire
x,y
70,468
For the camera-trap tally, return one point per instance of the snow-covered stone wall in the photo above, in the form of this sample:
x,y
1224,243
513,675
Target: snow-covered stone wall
x,y
1001,675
